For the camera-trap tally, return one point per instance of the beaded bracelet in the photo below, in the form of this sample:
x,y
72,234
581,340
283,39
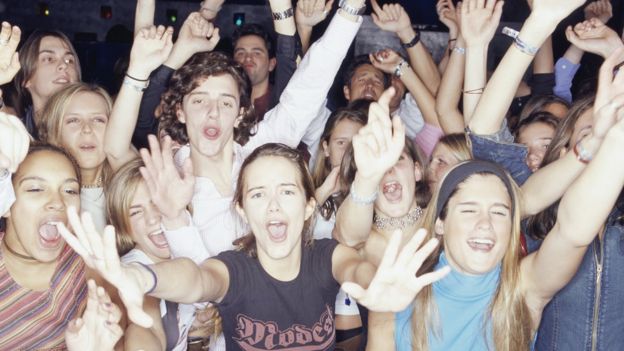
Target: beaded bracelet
x,y
138,86
360,200
582,154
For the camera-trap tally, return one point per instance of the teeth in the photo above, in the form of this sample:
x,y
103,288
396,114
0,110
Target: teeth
x,y
482,241
157,232
390,187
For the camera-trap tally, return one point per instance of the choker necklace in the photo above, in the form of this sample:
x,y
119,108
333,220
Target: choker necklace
x,y
398,222
9,249
97,184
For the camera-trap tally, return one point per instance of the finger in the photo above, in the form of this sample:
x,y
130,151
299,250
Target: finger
x,y
410,248
151,34
432,277
150,182
605,74
155,150
109,249
214,39
421,255
498,11
391,252
5,33
73,242
187,169
74,326
398,134
386,96
328,6
138,316
79,232
167,155
353,290
16,35
375,6
160,31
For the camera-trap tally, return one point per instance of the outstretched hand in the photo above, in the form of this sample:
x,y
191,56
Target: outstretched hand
x,y
395,285
480,20
14,142
600,9
309,13
609,103
378,145
99,252
447,14
391,17
9,59
98,329
150,49
169,190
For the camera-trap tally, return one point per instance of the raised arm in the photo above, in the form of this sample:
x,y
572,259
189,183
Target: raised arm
x,y
595,37
193,283
14,143
391,62
585,205
144,14
9,59
151,47
394,18
501,88
449,16
376,147
308,14
479,21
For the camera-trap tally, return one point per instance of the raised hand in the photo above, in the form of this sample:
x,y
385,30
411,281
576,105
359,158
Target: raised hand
x,y
9,59
98,329
600,9
447,14
150,49
14,142
330,186
309,13
385,60
395,285
391,17
480,20
170,191
210,8
595,37
610,95
196,35
551,12
378,145
99,252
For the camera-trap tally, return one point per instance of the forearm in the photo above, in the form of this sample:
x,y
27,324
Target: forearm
x,y
286,58
422,62
139,338
305,34
354,220
284,26
181,280
144,14
501,88
447,101
544,61
423,97
565,70
147,122
475,80
549,183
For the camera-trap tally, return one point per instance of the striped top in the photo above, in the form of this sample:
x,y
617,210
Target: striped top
x,y
36,320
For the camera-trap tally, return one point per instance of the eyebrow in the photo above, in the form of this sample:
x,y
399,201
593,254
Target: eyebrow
x,y
68,180
205,93
262,187
46,51
136,206
472,203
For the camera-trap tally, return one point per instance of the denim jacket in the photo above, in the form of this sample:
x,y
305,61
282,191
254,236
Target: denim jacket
x,y
588,314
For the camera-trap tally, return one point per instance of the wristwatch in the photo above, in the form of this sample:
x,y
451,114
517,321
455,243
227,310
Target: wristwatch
x,y
350,9
282,15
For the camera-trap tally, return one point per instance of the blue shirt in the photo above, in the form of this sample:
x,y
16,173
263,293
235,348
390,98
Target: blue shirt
x,y
462,303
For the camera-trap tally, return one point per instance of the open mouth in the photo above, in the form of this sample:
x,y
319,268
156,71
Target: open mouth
x,y
481,244
87,147
277,231
49,236
158,239
392,191
212,133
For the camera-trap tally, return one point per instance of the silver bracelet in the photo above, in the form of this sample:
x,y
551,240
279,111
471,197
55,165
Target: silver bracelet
x,y
282,15
138,86
354,11
524,47
360,200
461,51
398,70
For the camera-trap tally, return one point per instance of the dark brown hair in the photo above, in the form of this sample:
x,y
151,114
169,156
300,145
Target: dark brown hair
x,y
193,74
248,242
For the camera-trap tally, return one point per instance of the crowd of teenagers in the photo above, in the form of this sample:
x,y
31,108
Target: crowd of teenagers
x,y
206,206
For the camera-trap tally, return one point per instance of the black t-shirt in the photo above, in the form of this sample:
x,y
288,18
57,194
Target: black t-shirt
x,y
260,312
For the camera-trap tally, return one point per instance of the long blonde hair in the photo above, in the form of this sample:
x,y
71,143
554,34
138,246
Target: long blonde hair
x,y
51,124
510,318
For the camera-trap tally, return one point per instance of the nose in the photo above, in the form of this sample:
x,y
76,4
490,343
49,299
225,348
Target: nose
x,y
86,127
534,159
274,205
152,215
485,221
55,203
63,64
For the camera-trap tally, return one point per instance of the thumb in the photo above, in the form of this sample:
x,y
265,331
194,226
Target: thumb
x,y
138,316
328,6
386,96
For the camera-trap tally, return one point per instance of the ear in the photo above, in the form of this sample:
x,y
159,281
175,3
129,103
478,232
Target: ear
x,y
180,114
418,172
347,92
241,212
272,63
325,148
439,227
309,209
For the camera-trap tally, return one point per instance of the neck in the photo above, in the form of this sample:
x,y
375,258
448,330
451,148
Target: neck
x,y
208,166
285,269
259,89
407,223
91,177
24,269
